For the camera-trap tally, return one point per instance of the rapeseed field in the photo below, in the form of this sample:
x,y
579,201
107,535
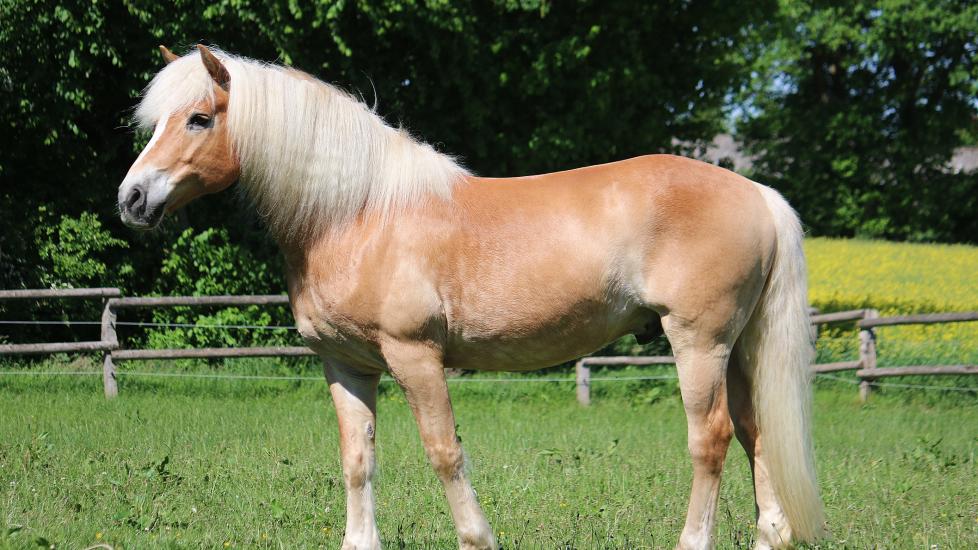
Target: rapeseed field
x,y
896,278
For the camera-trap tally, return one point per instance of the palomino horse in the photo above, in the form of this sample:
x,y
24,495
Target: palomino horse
x,y
400,261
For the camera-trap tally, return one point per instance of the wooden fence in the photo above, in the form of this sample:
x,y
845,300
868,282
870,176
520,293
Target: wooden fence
x,y
865,367
866,370
109,342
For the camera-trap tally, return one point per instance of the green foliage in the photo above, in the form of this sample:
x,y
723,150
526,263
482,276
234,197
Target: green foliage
x,y
206,264
73,252
856,109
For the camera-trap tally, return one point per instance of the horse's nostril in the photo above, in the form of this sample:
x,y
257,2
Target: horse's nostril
x,y
134,197
136,201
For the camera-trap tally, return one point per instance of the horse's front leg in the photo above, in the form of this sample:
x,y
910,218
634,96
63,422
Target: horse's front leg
x,y
420,373
355,398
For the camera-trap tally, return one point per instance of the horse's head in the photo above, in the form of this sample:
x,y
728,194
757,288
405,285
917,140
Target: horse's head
x,y
190,153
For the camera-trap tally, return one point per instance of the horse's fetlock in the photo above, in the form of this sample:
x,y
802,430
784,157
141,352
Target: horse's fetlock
x,y
773,531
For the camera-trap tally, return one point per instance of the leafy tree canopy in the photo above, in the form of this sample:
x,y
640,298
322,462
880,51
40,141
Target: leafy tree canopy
x,y
856,108
851,108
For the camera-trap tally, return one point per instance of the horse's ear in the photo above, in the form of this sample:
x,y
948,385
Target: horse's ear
x,y
214,66
168,56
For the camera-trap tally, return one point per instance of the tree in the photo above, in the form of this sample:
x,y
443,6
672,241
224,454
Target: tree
x,y
856,109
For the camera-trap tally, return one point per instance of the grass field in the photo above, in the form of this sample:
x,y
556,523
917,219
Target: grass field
x,y
234,464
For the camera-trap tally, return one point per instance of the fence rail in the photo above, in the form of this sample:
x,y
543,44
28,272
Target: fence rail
x,y
45,293
929,370
54,347
921,319
210,353
865,367
173,301
866,370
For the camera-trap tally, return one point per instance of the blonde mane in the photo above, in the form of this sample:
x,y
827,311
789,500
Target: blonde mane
x,y
312,156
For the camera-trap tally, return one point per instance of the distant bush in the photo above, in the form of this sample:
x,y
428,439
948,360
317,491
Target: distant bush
x,y
207,264
74,251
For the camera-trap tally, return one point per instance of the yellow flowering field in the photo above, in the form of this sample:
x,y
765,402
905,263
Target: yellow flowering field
x,y
896,278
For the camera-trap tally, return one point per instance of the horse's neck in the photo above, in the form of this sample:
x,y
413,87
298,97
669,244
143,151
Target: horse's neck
x,y
339,256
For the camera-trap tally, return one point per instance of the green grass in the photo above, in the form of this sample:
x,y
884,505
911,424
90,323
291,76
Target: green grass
x,y
254,464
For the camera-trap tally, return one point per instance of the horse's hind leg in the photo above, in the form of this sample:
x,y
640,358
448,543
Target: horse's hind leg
x,y
422,377
772,527
701,361
355,398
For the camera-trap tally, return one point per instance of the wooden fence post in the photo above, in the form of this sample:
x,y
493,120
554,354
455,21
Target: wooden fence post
x,y
867,353
110,337
583,383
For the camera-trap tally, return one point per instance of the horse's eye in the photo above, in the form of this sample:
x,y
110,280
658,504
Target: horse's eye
x,y
199,120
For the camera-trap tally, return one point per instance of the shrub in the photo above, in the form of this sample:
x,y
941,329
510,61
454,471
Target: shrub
x,y
73,251
208,263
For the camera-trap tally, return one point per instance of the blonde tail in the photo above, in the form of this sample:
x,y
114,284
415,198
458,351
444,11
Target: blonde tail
x,y
777,348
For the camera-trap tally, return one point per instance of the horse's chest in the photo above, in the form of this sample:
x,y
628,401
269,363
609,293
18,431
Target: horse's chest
x,y
333,330
351,322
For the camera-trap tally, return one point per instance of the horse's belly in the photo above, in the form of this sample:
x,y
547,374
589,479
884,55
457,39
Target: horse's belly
x,y
523,346
519,355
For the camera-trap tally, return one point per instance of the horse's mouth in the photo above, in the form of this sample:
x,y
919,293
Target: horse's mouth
x,y
147,220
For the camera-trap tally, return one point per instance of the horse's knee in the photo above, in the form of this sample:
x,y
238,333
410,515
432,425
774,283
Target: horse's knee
x,y
447,459
357,468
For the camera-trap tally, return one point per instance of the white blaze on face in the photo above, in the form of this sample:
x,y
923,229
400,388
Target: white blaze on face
x,y
157,132
153,183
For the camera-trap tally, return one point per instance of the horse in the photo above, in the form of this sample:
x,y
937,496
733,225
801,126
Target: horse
x,y
401,261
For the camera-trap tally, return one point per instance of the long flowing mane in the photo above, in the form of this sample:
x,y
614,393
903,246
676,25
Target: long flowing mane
x,y
312,156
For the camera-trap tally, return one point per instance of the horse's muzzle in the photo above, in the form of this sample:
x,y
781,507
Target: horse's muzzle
x,y
142,203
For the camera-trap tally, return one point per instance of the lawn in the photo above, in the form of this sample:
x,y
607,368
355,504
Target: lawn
x,y
254,464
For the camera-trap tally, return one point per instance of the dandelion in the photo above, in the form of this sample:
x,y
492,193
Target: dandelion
x,y
98,535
